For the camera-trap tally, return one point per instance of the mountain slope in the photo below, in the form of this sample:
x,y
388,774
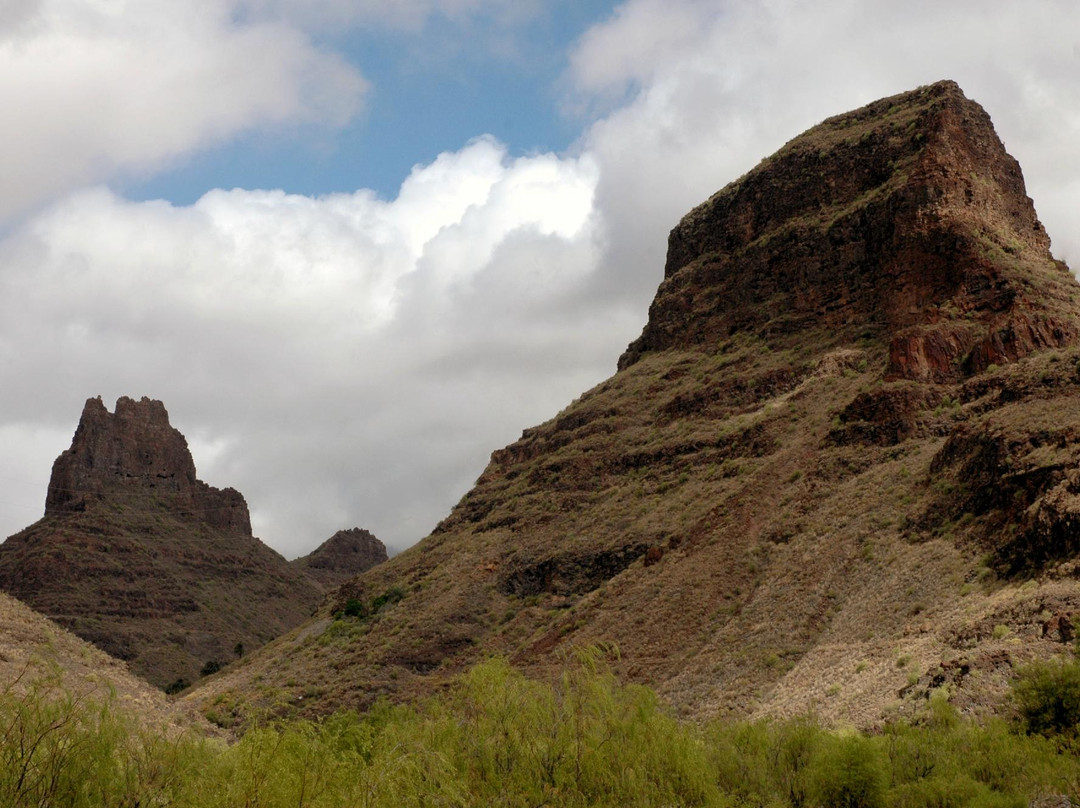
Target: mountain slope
x,y
821,478
34,649
144,560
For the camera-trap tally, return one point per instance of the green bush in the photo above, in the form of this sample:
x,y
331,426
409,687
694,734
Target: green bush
x,y
1047,697
498,738
177,686
849,773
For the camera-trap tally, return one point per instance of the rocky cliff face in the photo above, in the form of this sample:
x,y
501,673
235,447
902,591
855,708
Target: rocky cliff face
x,y
134,452
143,559
839,469
344,555
905,221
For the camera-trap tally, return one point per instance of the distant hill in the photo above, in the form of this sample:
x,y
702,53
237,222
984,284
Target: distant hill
x,y
839,469
343,556
152,565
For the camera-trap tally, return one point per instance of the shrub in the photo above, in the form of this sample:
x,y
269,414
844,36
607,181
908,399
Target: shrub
x,y
177,686
849,774
1047,697
390,596
354,607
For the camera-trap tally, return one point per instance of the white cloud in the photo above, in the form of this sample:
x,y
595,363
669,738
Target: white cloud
x,y
90,89
343,360
403,15
351,360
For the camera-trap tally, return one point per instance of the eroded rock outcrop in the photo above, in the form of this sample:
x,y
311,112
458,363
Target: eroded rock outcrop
x,y
139,556
905,221
134,451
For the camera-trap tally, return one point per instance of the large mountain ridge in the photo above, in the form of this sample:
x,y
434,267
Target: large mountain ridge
x,y
836,472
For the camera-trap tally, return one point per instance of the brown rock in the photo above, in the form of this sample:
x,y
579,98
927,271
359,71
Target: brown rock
x,y
344,555
134,452
143,559
906,220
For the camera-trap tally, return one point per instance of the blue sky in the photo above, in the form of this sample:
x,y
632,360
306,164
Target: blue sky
x,y
424,100
355,246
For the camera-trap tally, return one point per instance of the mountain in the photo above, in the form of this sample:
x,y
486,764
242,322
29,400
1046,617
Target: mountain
x,y
839,469
343,556
152,565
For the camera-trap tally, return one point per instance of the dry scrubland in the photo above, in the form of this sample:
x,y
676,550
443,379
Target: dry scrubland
x,y
497,738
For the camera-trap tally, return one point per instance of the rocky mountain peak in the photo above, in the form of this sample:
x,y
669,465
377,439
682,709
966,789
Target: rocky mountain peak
x,y
344,555
134,453
149,563
807,489
905,221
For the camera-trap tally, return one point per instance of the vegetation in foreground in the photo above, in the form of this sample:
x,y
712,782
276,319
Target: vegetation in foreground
x,y
500,739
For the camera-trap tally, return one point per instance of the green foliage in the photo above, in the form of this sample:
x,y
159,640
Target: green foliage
x,y
211,667
354,607
59,748
498,738
177,686
1047,696
849,773
390,596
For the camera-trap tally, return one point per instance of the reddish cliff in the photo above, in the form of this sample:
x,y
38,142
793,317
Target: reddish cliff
x,y
905,221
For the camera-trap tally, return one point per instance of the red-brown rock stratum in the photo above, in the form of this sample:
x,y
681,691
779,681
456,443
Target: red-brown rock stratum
x,y
839,469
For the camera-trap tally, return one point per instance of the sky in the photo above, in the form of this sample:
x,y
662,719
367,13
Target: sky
x,y
355,246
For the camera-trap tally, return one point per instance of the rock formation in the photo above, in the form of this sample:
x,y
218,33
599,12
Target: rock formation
x,y
140,557
905,221
343,556
134,452
839,469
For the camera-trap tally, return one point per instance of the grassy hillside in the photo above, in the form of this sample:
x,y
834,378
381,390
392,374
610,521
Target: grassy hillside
x,y
34,652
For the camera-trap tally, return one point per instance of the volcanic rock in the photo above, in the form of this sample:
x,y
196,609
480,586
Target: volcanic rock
x,y
343,556
135,452
146,561
839,468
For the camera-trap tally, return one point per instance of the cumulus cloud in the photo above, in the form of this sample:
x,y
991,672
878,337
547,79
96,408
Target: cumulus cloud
x,y
341,360
352,360
91,89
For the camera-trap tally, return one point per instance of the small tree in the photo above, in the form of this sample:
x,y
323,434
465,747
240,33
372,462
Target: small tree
x,y
850,774
177,686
